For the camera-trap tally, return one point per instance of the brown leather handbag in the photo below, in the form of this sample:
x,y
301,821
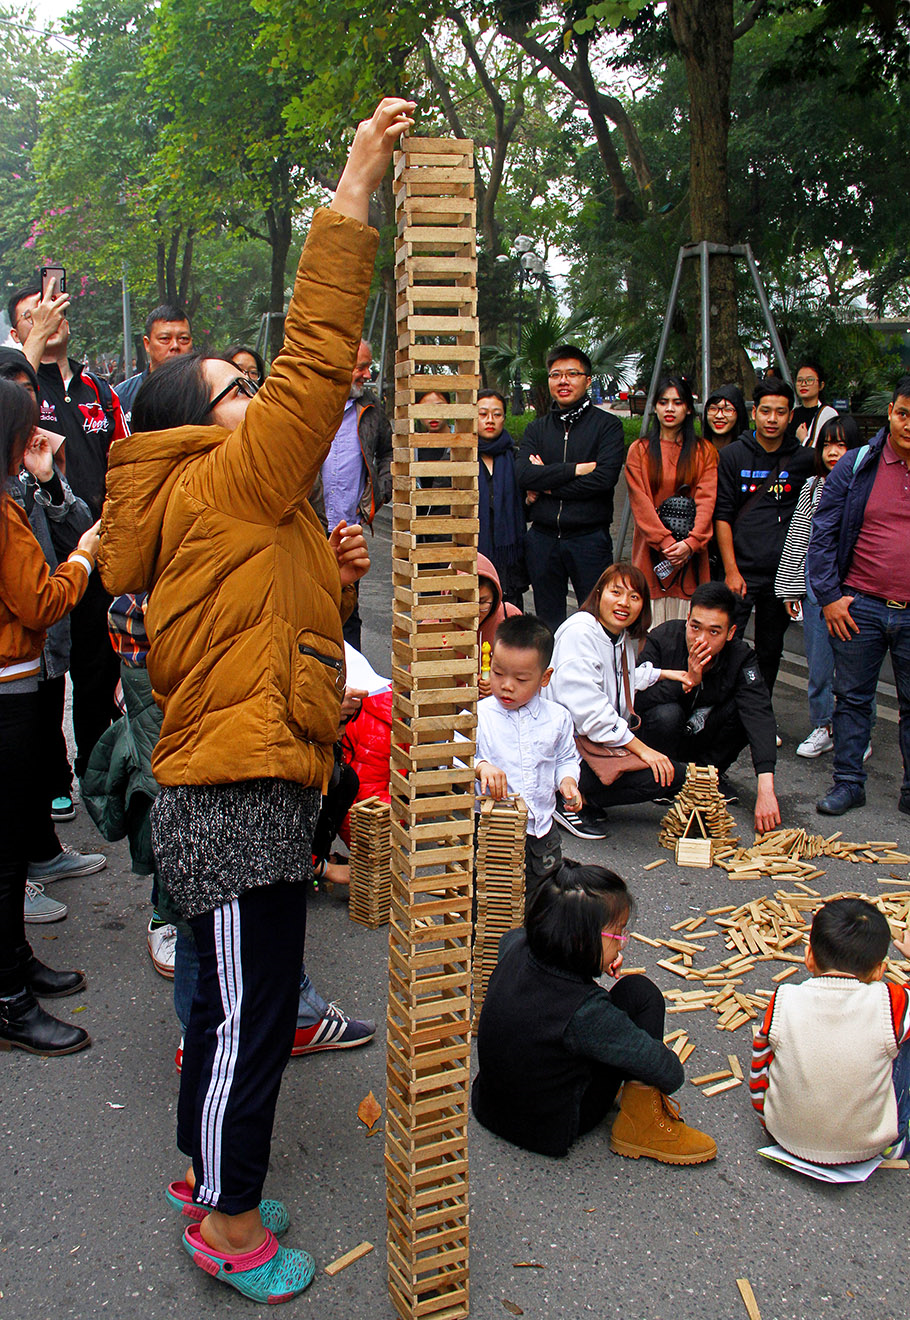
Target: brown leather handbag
x,y
608,763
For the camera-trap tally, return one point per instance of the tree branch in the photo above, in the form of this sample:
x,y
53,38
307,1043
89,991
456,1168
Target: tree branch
x,y
748,20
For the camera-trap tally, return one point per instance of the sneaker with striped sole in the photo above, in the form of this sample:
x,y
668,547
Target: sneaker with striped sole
x,y
334,1031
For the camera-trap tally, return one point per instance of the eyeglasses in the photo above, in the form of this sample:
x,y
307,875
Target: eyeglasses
x,y
241,384
611,935
566,375
807,380
721,407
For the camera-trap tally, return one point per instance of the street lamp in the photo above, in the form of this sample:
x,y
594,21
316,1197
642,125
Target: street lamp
x,y
529,263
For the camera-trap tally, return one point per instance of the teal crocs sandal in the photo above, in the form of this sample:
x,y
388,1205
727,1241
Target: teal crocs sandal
x,y
270,1274
274,1214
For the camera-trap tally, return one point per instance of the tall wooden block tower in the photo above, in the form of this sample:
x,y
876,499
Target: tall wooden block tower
x,y
434,674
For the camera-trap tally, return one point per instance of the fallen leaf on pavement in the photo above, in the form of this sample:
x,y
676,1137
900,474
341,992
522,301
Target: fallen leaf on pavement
x,y
369,1110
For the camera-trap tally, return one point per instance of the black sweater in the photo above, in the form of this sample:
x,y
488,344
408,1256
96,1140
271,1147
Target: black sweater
x,y
759,535
733,675
574,504
542,1032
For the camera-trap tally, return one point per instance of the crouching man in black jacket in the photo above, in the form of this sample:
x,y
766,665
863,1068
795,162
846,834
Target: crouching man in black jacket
x,y
728,705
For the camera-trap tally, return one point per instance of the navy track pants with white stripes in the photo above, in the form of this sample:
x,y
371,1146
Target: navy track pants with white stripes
x,y
239,1040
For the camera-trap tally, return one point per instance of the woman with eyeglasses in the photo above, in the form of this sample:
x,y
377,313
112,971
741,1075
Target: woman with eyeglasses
x,y
246,660
555,1047
724,416
671,475
248,361
810,414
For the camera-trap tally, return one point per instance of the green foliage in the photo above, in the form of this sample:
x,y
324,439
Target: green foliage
x,y
29,71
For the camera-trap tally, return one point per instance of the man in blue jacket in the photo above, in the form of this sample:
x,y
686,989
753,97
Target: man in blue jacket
x,y
860,571
568,464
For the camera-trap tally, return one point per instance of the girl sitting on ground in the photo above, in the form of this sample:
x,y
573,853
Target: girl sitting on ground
x,y
555,1047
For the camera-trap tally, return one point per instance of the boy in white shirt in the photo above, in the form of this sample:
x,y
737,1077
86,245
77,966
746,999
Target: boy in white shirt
x,y
526,745
830,1072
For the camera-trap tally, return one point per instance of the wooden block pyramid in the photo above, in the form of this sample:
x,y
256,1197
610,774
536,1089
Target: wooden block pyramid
x,y
371,846
500,883
699,813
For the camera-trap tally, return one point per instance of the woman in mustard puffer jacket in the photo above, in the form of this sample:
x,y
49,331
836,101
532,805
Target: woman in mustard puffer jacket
x,y
246,661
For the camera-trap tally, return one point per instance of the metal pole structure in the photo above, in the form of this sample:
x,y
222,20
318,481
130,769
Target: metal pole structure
x,y
766,312
626,515
705,323
127,327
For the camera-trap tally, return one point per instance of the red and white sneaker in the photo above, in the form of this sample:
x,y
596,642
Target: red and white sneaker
x,y
178,1057
334,1031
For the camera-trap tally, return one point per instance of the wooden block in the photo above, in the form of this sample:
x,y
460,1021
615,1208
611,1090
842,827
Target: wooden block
x,y
748,1296
342,1262
710,1077
782,976
651,866
686,1051
722,1086
895,1164
735,1066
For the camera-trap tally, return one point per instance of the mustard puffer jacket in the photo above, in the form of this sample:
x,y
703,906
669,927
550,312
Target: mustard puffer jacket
x,y
244,617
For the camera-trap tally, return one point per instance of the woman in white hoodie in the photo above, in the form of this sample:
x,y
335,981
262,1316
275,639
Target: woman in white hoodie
x,y
595,677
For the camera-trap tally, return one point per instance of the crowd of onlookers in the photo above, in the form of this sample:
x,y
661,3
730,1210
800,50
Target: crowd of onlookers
x,y
225,508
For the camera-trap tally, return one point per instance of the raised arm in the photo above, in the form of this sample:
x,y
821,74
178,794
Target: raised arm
x,y
266,468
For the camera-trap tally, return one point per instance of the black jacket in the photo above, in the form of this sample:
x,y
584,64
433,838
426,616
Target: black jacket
x,y
734,676
531,1082
574,504
759,535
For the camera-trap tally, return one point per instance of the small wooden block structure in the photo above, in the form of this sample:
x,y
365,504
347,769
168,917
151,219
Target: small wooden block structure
x,y
500,882
691,850
434,678
371,847
701,795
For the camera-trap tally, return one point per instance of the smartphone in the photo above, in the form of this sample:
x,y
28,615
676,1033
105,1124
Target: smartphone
x,y
665,569
56,273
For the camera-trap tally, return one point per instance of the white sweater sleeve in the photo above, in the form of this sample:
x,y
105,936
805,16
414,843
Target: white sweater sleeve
x,y
584,681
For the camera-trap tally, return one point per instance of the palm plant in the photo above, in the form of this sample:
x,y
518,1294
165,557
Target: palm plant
x,y
611,358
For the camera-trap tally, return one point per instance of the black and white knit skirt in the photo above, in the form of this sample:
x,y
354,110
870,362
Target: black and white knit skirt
x,y
213,842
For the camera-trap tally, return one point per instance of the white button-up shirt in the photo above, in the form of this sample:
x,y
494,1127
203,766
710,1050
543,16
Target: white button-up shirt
x,y
535,747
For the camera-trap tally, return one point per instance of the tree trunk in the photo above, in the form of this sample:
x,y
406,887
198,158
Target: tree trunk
x,y
703,31
279,225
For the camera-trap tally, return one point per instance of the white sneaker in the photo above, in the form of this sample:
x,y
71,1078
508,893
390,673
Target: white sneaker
x,y
868,752
162,943
818,742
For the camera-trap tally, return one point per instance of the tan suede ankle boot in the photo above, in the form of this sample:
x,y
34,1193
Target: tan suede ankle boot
x,y
649,1124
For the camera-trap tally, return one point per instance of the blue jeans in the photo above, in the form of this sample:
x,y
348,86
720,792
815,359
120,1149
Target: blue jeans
x,y
311,1006
857,664
820,659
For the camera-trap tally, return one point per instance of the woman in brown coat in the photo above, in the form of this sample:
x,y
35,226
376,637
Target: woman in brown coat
x,y
246,661
31,599
671,460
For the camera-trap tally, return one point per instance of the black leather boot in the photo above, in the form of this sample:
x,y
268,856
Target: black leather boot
x,y
47,984
24,1025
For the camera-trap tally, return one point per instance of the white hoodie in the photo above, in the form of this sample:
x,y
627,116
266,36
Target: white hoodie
x,y
587,678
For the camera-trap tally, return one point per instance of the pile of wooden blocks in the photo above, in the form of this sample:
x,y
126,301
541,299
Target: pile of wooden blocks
x,y
779,854
500,884
371,854
763,930
434,677
698,812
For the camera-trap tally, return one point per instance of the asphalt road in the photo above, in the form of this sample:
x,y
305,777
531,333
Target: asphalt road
x,y
87,1141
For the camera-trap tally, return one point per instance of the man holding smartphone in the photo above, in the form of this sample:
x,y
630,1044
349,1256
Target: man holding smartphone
x,y
84,410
